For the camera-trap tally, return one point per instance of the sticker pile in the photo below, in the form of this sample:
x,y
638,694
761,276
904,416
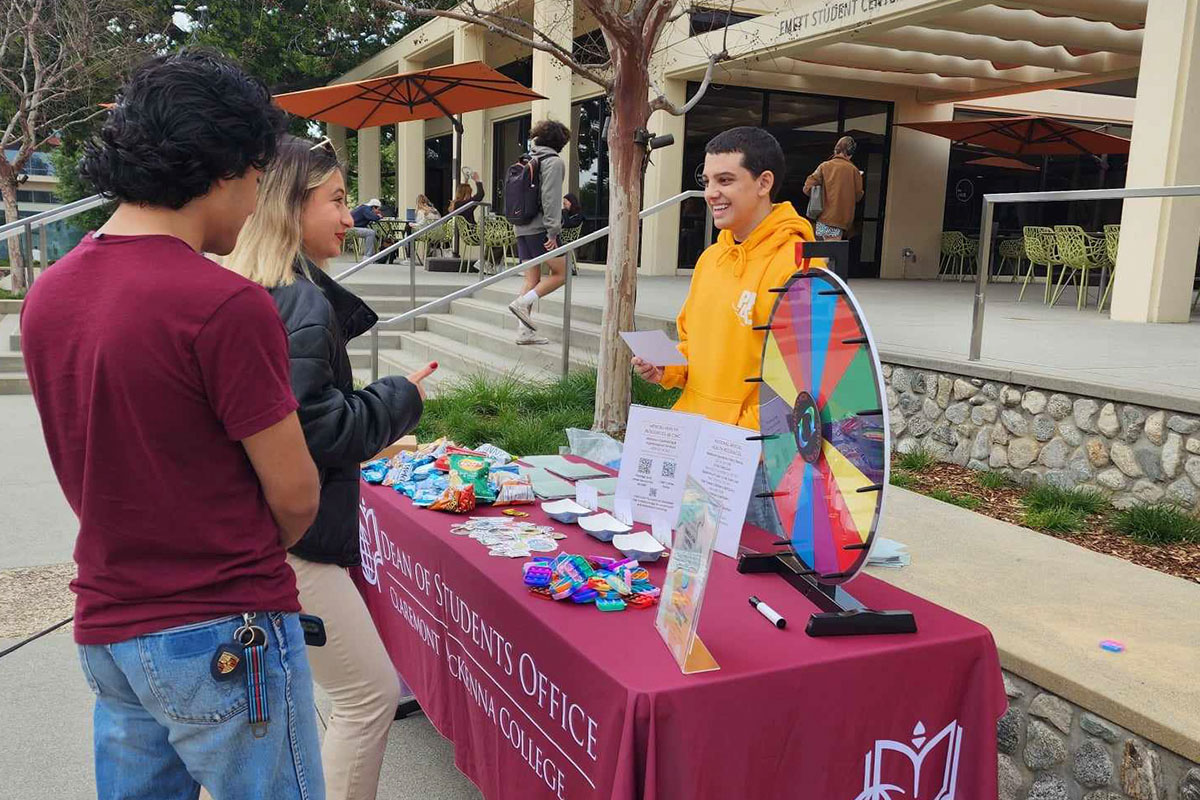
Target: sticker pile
x,y
608,583
509,538
445,477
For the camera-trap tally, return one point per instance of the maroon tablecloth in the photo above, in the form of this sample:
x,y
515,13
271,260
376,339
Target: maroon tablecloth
x,y
544,699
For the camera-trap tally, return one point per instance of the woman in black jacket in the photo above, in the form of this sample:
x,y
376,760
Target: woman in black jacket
x,y
299,223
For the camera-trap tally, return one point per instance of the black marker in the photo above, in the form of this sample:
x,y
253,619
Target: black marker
x,y
771,614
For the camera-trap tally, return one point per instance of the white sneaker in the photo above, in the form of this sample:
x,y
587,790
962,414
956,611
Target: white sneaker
x,y
529,336
521,311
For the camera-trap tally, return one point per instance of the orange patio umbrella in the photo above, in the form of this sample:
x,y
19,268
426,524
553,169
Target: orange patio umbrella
x,y
1003,162
424,94
1029,135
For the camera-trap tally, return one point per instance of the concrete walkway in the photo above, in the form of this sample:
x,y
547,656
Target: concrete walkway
x,y
928,323
1050,603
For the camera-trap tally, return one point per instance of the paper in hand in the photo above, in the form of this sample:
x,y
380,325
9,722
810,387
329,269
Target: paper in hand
x,y
654,347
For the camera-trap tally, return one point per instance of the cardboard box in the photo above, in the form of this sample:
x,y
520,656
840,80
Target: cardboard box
x,y
403,444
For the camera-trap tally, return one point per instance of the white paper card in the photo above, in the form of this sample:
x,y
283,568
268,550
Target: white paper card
x,y
587,496
654,347
655,461
724,464
623,510
663,448
660,529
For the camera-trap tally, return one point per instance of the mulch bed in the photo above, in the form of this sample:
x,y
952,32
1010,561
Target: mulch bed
x,y
1180,560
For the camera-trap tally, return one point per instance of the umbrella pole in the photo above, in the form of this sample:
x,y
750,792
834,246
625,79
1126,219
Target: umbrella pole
x,y
458,165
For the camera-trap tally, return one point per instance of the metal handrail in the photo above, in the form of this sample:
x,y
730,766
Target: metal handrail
x,y
558,252
987,231
54,214
40,221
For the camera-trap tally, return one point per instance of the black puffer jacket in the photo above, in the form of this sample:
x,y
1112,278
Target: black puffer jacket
x,y
343,427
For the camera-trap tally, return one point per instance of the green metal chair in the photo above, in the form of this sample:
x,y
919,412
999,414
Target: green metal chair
x,y
958,255
947,254
439,237
468,236
1042,251
1012,251
499,234
567,236
354,245
1081,253
1112,239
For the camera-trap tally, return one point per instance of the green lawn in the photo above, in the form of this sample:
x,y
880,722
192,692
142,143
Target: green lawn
x,y
521,416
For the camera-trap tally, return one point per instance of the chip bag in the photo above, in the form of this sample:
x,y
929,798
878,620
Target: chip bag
x,y
458,498
473,470
514,490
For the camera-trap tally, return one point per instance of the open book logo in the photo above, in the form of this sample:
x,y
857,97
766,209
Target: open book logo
x,y
926,770
369,543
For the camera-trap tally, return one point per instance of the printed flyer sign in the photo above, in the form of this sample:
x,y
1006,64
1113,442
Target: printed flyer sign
x,y
687,573
664,448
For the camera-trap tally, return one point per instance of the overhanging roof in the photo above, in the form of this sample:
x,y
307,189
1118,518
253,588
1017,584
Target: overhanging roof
x,y
950,50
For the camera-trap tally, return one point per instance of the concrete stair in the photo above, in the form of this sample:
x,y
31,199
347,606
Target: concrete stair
x,y
12,365
470,337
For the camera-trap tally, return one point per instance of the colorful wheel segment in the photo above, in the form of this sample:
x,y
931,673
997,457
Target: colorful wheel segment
x,y
824,421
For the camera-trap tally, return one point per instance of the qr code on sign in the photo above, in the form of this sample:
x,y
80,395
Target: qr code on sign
x,y
644,465
668,470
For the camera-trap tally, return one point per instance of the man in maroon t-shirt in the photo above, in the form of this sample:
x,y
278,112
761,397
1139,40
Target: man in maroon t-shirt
x,y
163,387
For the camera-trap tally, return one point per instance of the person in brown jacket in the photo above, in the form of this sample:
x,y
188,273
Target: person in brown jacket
x,y
842,187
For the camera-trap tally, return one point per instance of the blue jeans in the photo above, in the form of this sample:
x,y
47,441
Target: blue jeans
x,y
164,726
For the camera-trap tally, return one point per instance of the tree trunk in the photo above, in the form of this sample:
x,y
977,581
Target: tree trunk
x,y
16,256
630,111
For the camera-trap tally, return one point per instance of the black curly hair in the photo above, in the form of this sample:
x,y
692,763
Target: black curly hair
x,y
552,134
182,122
760,152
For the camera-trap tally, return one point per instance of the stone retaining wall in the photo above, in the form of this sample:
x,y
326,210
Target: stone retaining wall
x,y
1131,453
1053,750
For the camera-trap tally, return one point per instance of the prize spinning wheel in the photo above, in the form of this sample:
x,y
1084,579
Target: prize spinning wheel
x,y
824,424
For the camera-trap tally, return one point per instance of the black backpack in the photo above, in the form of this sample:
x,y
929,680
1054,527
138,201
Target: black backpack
x,y
523,191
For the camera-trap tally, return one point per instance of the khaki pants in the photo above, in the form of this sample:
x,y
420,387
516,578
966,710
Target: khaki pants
x,y
355,671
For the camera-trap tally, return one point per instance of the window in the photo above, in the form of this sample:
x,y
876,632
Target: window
x,y
510,140
520,70
590,49
704,20
590,181
439,168
30,196
807,127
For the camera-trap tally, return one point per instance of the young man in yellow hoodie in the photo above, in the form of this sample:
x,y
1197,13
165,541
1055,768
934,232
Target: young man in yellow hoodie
x,y
730,291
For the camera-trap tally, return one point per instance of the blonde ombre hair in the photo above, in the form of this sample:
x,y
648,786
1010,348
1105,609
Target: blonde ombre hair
x,y
268,249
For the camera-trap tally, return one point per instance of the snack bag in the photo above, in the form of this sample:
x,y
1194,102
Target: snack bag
x,y
458,498
375,471
473,470
513,491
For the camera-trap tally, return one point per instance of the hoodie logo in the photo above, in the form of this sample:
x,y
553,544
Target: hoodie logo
x,y
744,307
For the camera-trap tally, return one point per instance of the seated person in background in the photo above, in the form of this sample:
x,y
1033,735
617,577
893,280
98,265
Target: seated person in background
x,y
573,215
363,216
730,291
463,195
426,211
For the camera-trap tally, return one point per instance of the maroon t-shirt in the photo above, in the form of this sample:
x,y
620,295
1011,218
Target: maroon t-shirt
x,y
149,363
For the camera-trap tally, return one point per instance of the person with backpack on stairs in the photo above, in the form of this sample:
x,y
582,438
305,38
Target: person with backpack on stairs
x,y
533,191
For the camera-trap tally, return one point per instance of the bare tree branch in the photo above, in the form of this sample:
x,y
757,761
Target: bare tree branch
x,y
661,103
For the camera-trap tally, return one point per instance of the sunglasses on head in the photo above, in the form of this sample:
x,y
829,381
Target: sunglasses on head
x,y
325,142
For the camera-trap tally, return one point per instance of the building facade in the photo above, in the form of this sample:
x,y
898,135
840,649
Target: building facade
x,y
810,71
